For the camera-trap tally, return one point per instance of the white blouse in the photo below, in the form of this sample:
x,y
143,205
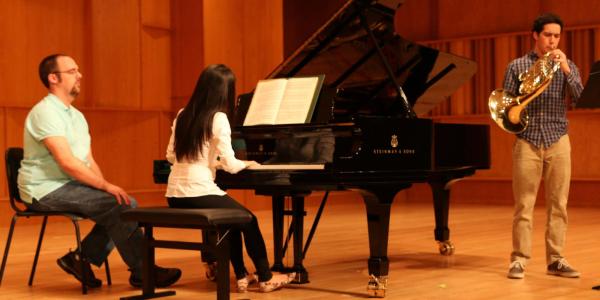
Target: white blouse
x,y
197,178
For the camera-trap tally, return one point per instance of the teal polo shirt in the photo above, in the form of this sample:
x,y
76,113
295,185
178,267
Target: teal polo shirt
x,y
40,174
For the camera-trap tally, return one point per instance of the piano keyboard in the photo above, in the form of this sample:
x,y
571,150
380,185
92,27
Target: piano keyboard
x,y
287,167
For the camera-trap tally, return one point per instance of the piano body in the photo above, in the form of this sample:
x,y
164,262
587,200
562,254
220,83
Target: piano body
x,y
364,135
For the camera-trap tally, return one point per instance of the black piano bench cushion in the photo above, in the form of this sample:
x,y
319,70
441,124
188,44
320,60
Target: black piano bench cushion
x,y
204,217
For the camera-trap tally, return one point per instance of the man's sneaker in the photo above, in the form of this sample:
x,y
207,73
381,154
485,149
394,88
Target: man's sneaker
x,y
516,270
276,282
242,284
71,264
561,268
211,271
163,277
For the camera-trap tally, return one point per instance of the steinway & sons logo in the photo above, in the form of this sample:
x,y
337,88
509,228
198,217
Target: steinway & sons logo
x,y
261,152
394,150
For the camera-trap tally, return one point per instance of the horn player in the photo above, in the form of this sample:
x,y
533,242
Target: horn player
x,y
543,150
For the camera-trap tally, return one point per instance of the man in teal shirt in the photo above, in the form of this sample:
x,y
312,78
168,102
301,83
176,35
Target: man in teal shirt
x,y
59,173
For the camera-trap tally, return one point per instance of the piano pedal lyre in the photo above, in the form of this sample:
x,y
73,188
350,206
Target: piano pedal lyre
x,y
446,248
377,286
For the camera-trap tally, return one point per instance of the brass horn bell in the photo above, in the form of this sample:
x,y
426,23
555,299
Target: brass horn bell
x,y
508,110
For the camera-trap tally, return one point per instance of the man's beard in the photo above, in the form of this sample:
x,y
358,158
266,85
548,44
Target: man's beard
x,y
74,91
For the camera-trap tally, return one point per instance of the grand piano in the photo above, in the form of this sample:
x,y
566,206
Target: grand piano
x,y
367,133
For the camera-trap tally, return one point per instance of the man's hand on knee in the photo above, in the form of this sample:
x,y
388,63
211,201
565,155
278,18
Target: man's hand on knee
x,y
119,193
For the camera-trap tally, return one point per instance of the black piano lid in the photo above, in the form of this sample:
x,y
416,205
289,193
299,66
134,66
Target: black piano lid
x,y
342,50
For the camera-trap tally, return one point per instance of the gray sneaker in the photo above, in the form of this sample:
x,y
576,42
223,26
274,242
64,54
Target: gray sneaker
x,y
516,270
562,268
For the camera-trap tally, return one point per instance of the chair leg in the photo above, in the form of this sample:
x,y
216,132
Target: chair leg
x,y
108,280
37,250
8,240
81,259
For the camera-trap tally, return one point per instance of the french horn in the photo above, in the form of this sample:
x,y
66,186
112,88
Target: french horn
x,y
508,110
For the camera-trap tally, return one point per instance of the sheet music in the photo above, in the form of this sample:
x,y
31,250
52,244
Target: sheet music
x,y
297,99
265,102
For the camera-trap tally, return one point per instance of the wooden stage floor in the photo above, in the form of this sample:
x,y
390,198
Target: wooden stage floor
x,y
337,258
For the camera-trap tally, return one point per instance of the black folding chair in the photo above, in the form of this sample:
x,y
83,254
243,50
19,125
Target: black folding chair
x,y
13,157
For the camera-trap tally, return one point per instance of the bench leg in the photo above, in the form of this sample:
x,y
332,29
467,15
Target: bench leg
x,y
222,248
148,270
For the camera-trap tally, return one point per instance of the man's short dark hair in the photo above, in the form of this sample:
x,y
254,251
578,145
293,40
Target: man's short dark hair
x,y
47,67
547,18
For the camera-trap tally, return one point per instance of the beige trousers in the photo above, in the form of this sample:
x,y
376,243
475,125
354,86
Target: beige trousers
x,y
530,165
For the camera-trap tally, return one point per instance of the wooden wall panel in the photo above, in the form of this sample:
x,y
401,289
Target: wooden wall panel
x,y
156,54
15,121
224,36
155,66
115,44
574,12
3,188
443,107
584,144
164,133
124,144
505,50
247,36
156,13
443,19
417,20
596,38
30,30
464,93
501,152
580,42
484,78
12,121
481,17
263,40
187,49
166,121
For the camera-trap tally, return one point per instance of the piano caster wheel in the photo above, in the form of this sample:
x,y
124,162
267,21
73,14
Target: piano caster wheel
x,y
377,286
446,248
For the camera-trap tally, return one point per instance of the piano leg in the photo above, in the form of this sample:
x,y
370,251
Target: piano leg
x,y
298,223
278,212
297,229
378,201
441,206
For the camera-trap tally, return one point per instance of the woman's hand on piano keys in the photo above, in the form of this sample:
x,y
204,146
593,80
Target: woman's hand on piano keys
x,y
251,163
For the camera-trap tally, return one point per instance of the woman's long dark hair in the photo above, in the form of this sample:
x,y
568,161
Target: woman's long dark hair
x,y
214,92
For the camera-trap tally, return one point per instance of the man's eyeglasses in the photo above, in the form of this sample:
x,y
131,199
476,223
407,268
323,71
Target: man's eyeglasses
x,y
70,72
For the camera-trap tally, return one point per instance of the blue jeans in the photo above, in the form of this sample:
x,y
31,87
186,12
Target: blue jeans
x,y
108,232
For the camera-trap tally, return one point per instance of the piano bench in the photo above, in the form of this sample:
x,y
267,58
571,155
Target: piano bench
x,y
219,220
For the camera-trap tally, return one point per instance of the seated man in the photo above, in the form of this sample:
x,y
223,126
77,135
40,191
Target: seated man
x,y
58,173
